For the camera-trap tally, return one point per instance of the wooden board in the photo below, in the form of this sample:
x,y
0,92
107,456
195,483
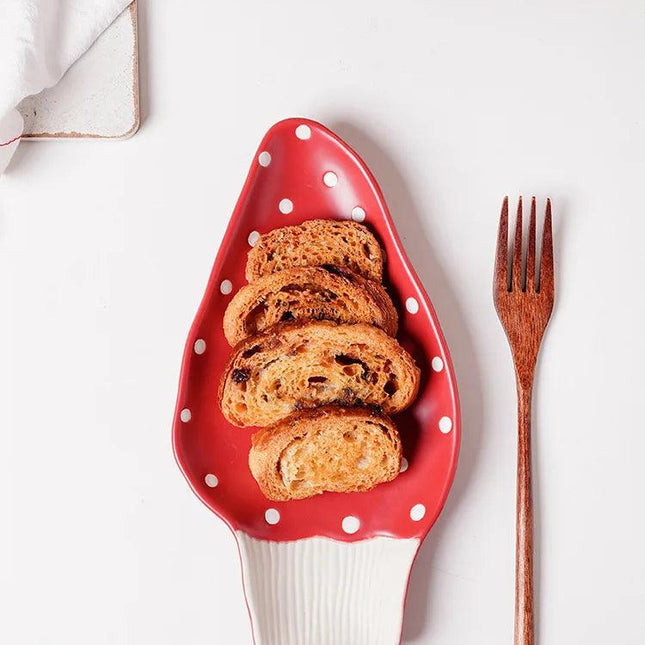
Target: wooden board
x,y
99,95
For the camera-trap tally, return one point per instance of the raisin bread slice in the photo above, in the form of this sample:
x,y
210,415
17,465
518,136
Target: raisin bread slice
x,y
314,243
319,293
339,450
306,365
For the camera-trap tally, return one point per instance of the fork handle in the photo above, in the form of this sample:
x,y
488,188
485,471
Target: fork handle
x,y
524,632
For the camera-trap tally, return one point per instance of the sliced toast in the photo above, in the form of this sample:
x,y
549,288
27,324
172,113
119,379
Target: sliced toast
x,y
318,293
314,243
340,450
295,366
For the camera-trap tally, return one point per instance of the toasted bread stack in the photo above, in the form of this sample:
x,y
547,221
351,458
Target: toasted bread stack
x,y
315,363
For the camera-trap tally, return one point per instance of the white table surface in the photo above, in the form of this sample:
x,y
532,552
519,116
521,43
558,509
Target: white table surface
x,y
105,248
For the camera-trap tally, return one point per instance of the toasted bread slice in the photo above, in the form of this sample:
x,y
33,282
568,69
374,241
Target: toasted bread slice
x,y
341,450
318,293
314,243
305,365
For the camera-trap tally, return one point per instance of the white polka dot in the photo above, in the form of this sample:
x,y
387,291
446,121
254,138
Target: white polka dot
x,y
272,516
253,238
285,206
404,465
417,512
185,415
358,214
264,159
445,424
211,480
199,346
303,132
351,524
437,364
226,287
412,305
330,179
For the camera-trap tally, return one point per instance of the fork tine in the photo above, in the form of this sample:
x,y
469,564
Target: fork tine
x,y
546,261
531,284
501,254
517,251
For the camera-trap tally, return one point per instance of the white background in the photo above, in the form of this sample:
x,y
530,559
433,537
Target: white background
x,y
105,248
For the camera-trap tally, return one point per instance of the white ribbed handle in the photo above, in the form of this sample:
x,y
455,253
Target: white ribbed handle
x,y
319,591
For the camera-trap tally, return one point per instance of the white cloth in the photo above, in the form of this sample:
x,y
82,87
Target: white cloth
x,y
39,41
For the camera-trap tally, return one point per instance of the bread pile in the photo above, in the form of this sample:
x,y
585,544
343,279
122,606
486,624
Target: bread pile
x,y
315,363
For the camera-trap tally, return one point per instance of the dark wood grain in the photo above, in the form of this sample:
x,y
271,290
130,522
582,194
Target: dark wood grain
x,y
524,301
524,630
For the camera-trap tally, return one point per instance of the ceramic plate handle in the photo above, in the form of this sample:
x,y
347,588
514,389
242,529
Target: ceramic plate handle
x,y
323,591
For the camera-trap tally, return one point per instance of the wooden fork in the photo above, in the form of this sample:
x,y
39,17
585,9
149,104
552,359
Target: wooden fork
x,y
524,301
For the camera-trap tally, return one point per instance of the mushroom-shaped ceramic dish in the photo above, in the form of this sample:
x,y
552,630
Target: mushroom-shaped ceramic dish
x,y
331,569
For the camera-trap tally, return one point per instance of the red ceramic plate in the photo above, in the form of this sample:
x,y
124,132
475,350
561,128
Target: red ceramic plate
x,y
303,171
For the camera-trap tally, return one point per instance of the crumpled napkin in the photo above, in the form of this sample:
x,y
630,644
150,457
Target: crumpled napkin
x,y
39,41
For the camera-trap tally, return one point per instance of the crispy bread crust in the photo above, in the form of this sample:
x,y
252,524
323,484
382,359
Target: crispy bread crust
x,y
270,448
314,243
318,293
307,364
